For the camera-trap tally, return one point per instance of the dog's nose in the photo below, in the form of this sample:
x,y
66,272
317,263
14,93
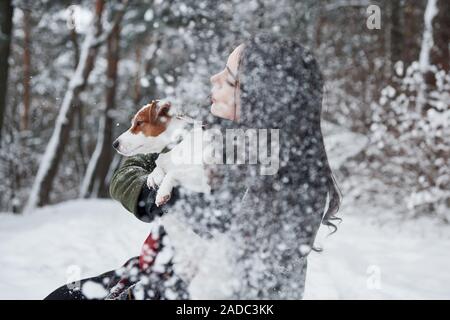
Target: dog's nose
x,y
115,144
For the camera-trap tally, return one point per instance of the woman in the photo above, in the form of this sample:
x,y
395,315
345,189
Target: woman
x,y
268,83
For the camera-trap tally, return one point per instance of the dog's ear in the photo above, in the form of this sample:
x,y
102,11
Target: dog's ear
x,y
159,112
163,110
152,111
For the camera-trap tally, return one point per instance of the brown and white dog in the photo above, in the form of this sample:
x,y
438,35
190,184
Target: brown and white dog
x,y
198,261
154,129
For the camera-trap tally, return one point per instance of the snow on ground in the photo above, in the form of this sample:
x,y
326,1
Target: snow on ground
x,y
373,258
45,249
363,260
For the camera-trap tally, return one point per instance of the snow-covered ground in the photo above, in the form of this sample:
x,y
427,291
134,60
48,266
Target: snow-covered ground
x,y
370,259
363,260
54,245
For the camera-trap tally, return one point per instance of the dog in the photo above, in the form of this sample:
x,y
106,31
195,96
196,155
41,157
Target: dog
x,y
154,129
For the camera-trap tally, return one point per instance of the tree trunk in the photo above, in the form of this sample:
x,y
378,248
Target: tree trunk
x,y
6,13
396,31
81,160
106,156
440,54
425,56
94,182
50,161
24,118
412,26
137,79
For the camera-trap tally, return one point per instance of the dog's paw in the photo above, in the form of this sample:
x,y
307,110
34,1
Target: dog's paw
x,y
151,183
154,179
161,199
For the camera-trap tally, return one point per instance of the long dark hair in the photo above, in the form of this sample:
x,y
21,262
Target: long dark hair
x,y
271,219
282,87
276,225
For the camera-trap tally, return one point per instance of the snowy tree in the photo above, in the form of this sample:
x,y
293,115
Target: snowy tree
x,y
42,185
410,123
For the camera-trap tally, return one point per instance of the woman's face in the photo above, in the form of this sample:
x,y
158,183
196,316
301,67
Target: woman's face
x,y
225,93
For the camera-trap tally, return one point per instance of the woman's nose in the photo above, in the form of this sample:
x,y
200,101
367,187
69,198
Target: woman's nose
x,y
213,78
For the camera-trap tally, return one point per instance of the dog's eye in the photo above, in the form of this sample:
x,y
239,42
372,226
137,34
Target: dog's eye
x,y
139,122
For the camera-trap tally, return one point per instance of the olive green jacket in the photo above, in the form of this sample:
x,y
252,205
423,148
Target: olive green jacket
x,y
127,182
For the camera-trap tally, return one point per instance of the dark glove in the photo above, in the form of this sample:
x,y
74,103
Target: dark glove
x,y
147,210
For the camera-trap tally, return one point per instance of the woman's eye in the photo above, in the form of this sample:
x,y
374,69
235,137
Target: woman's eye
x,y
231,83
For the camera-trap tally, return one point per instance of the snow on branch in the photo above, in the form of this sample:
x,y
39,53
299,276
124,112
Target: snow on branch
x,y
427,41
77,82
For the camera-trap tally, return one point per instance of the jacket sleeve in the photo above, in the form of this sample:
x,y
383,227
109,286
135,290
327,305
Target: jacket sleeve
x,y
128,186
